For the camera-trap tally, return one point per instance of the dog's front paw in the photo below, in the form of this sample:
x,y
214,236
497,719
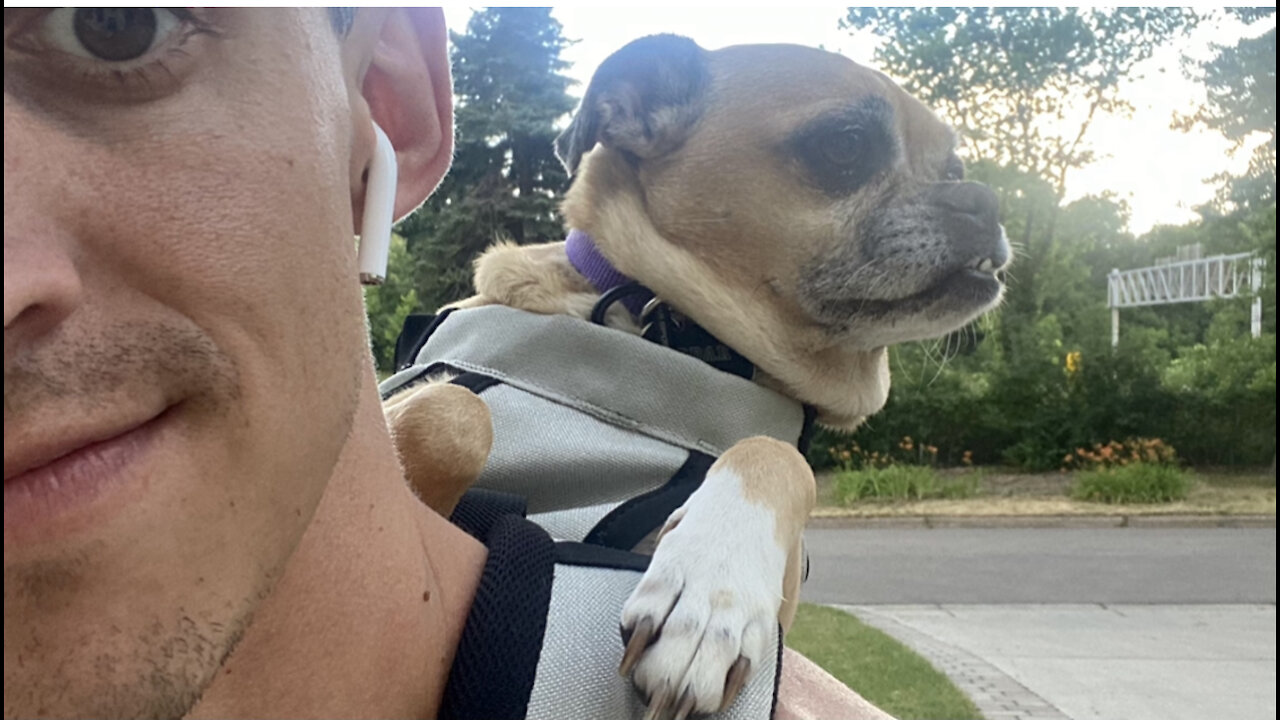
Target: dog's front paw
x,y
704,617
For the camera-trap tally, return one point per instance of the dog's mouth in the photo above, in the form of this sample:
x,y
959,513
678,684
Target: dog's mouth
x,y
966,289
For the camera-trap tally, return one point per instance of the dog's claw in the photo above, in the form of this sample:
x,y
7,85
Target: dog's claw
x,y
637,639
734,681
687,702
660,704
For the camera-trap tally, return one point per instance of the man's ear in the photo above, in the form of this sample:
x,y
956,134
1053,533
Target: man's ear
x,y
643,100
410,95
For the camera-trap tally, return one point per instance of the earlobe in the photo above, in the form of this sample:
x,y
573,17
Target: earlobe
x,y
379,210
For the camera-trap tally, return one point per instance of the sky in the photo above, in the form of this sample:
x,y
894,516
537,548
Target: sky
x,y
1160,172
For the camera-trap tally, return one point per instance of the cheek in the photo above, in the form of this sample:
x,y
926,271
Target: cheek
x,y
245,236
740,212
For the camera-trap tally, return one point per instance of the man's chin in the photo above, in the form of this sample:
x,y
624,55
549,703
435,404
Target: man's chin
x,y
157,669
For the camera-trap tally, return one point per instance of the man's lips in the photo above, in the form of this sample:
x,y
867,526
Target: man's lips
x,y
47,453
77,479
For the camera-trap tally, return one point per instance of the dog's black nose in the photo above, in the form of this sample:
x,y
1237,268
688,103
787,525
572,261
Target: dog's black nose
x,y
969,198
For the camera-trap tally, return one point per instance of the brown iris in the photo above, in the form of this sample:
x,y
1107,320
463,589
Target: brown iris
x,y
115,34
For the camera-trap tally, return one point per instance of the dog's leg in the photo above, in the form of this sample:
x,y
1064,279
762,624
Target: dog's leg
x,y
726,570
443,434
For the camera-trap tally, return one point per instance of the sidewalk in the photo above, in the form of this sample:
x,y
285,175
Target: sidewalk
x,y
1097,662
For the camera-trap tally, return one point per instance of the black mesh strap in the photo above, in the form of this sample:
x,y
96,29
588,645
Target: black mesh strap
x,y
497,661
479,509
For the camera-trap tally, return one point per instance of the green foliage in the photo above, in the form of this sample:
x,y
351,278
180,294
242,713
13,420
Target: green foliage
x,y
1241,86
505,182
387,305
900,482
1224,399
879,668
1133,483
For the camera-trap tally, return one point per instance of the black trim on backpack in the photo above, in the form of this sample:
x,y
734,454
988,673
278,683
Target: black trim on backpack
x,y
777,674
479,509
582,554
497,659
415,332
626,525
475,382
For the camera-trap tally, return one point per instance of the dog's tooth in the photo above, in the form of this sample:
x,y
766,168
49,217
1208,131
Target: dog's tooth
x,y
986,265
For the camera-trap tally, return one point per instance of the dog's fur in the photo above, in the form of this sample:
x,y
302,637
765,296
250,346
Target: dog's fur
x,y
808,213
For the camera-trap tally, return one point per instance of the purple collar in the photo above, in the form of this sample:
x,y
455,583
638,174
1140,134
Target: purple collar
x,y
587,259
662,324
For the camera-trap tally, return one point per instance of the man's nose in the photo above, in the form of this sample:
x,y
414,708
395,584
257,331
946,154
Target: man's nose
x,y
42,285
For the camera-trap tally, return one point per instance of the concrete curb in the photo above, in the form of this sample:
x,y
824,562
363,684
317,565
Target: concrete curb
x,y
1045,521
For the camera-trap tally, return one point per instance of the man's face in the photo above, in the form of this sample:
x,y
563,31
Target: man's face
x,y
182,325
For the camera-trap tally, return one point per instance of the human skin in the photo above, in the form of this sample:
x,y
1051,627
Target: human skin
x,y
179,282
178,243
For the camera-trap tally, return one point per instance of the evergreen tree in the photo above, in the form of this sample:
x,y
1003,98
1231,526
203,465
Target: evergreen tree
x,y
505,183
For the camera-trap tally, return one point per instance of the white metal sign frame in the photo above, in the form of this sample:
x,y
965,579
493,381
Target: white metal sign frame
x,y
1196,280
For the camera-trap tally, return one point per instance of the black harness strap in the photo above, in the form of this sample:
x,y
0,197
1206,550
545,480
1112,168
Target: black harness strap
x,y
626,525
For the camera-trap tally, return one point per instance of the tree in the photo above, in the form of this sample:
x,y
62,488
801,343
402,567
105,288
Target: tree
x,y
388,304
506,182
1023,84
1240,84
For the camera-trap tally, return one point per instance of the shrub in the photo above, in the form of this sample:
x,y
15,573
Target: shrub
x,y
899,482
1150,451
908,452
1141,482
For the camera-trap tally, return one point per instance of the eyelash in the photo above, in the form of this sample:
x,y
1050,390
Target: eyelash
x,y
139,77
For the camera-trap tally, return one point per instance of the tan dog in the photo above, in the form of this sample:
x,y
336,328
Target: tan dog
x,y
807,213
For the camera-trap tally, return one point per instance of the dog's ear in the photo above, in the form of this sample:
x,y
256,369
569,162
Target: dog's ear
x,y
642,100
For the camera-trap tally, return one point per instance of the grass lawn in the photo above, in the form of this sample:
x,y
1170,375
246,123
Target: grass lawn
x,y
1215,492
878,667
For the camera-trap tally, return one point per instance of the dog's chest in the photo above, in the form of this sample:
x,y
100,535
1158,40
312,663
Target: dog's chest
x,y
602,432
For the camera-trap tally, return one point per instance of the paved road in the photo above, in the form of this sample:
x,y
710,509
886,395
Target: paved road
x,y
1069,565
1071,624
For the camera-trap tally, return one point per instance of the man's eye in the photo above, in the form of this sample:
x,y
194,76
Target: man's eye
x,y
109,34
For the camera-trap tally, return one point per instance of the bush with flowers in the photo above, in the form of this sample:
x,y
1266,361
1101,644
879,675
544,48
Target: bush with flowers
x,y
904,473
1138,470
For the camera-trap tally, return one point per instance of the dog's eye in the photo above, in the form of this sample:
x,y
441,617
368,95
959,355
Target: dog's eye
x,y
843,149
954,171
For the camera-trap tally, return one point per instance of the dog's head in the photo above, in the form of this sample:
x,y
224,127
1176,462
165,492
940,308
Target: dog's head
x,y
803,208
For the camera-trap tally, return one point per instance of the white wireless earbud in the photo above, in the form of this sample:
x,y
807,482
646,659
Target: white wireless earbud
x,y
379,211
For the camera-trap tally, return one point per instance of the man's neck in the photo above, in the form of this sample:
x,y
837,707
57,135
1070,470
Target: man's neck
x,y
366,618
